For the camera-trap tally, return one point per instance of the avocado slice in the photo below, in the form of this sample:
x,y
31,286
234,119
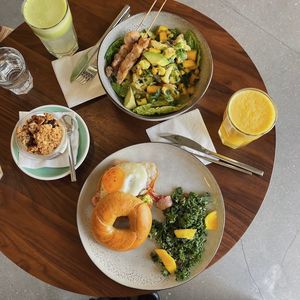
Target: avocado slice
x,y
129,101
156,59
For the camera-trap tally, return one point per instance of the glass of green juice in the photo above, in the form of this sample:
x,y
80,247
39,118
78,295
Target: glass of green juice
x,y
52,22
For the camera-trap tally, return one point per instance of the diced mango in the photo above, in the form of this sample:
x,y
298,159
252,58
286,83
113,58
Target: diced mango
x,y
189,64
167,260
163,36
211,220
162,28
185,233
152,89
192,55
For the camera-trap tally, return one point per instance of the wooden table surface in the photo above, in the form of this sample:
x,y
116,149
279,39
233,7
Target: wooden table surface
x,y
38,229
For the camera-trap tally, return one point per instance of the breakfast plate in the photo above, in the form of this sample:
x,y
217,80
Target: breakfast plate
x,y
177,168
47,173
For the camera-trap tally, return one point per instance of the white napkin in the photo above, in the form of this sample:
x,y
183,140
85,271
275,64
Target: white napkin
x,y
75,93
190,125
59,161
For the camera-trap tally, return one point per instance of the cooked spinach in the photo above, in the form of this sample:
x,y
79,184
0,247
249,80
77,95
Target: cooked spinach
x,y
187,211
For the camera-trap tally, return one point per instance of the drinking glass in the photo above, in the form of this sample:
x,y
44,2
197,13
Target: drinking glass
x,y
52,22
250,113
14,74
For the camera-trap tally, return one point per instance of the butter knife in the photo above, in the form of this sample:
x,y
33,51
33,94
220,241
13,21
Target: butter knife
x,y
184,141
85,59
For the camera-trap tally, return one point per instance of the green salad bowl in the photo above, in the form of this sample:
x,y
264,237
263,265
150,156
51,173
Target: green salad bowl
x,y
171,21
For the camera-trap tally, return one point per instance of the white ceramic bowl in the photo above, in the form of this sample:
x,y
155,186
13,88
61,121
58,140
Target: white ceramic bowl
x,y
56,152
172,21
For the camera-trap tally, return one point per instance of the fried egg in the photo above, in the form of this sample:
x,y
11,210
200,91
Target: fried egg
x,y
135,178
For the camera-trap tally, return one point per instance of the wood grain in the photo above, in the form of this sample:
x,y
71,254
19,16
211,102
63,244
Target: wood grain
x,y
38,228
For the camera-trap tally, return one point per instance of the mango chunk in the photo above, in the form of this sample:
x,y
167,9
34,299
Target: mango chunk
x,y
185,233
192,55
211,220
162,28
163,36
152,89
189,64
167,260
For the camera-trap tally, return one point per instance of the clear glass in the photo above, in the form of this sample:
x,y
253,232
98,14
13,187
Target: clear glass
x,y
60,39
234,137
14,74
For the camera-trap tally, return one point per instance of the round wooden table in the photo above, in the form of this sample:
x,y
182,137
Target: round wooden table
x,y
38,218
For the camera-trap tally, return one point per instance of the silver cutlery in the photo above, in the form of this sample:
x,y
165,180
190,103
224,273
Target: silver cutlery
x,y
198,150
88,74
69,124
84,62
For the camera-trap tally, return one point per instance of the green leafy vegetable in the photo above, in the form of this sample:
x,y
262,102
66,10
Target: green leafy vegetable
x,y
193,42
187,211
121,89
150,110
113,49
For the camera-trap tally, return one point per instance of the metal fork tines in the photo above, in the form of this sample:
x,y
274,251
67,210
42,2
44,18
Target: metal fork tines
x,y
87,74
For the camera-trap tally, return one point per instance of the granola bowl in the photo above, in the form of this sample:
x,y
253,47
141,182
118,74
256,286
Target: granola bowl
x,y
41,135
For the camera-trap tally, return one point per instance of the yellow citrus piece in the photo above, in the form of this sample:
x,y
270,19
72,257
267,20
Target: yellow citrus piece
x,y
185,233
211,220
167,260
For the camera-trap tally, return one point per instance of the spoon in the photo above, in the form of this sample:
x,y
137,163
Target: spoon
x,y
69,123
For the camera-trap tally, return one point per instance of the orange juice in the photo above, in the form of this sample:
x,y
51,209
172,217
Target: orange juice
x,y
250,113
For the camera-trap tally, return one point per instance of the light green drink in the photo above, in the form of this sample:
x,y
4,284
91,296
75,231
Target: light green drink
x,y
51,21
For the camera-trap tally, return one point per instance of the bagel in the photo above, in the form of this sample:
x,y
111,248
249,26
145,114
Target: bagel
x,y
120,204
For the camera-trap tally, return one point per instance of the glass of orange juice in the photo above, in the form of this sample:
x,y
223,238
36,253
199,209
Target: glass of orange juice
x,y
250,113
52,22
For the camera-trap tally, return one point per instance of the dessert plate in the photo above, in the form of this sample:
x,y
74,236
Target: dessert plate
x,y
55,173
177,168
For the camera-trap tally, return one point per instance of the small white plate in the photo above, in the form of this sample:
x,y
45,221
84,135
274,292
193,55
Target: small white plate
x,y
55,173
176,168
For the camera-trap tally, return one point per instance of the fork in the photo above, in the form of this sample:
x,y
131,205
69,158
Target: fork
x,y
89,69
88,74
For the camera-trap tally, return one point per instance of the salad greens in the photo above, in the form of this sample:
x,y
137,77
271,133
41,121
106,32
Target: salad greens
x,y
113,49
187,212
163,79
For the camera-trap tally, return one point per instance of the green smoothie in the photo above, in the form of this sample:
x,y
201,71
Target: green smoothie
x,y
52,22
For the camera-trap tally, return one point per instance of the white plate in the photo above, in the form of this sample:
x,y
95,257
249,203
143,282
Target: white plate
x,y
176,168
55,173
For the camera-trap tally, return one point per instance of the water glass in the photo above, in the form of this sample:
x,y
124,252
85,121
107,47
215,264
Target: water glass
x,y
14,74
52,23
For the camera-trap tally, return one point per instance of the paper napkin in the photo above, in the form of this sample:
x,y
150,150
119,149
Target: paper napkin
x,y
57,162
190,125
75,93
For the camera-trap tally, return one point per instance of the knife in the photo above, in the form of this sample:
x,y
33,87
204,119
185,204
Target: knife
x,y
85,59
186,142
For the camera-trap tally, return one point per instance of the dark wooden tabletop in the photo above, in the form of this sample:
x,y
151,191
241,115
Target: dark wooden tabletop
x,y
38,230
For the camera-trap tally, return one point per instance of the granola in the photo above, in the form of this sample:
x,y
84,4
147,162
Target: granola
x,y
41,134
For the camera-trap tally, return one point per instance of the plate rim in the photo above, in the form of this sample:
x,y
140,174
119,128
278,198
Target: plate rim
x,y
196,160
64,174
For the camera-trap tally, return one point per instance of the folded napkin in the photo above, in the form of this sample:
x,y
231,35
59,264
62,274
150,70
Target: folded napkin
x,y
75,93
190,125
59,161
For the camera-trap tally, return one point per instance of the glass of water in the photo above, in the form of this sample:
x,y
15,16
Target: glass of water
x,y
14,75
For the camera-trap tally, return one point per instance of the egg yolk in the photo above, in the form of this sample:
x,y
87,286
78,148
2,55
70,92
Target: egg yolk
x,y
113,179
